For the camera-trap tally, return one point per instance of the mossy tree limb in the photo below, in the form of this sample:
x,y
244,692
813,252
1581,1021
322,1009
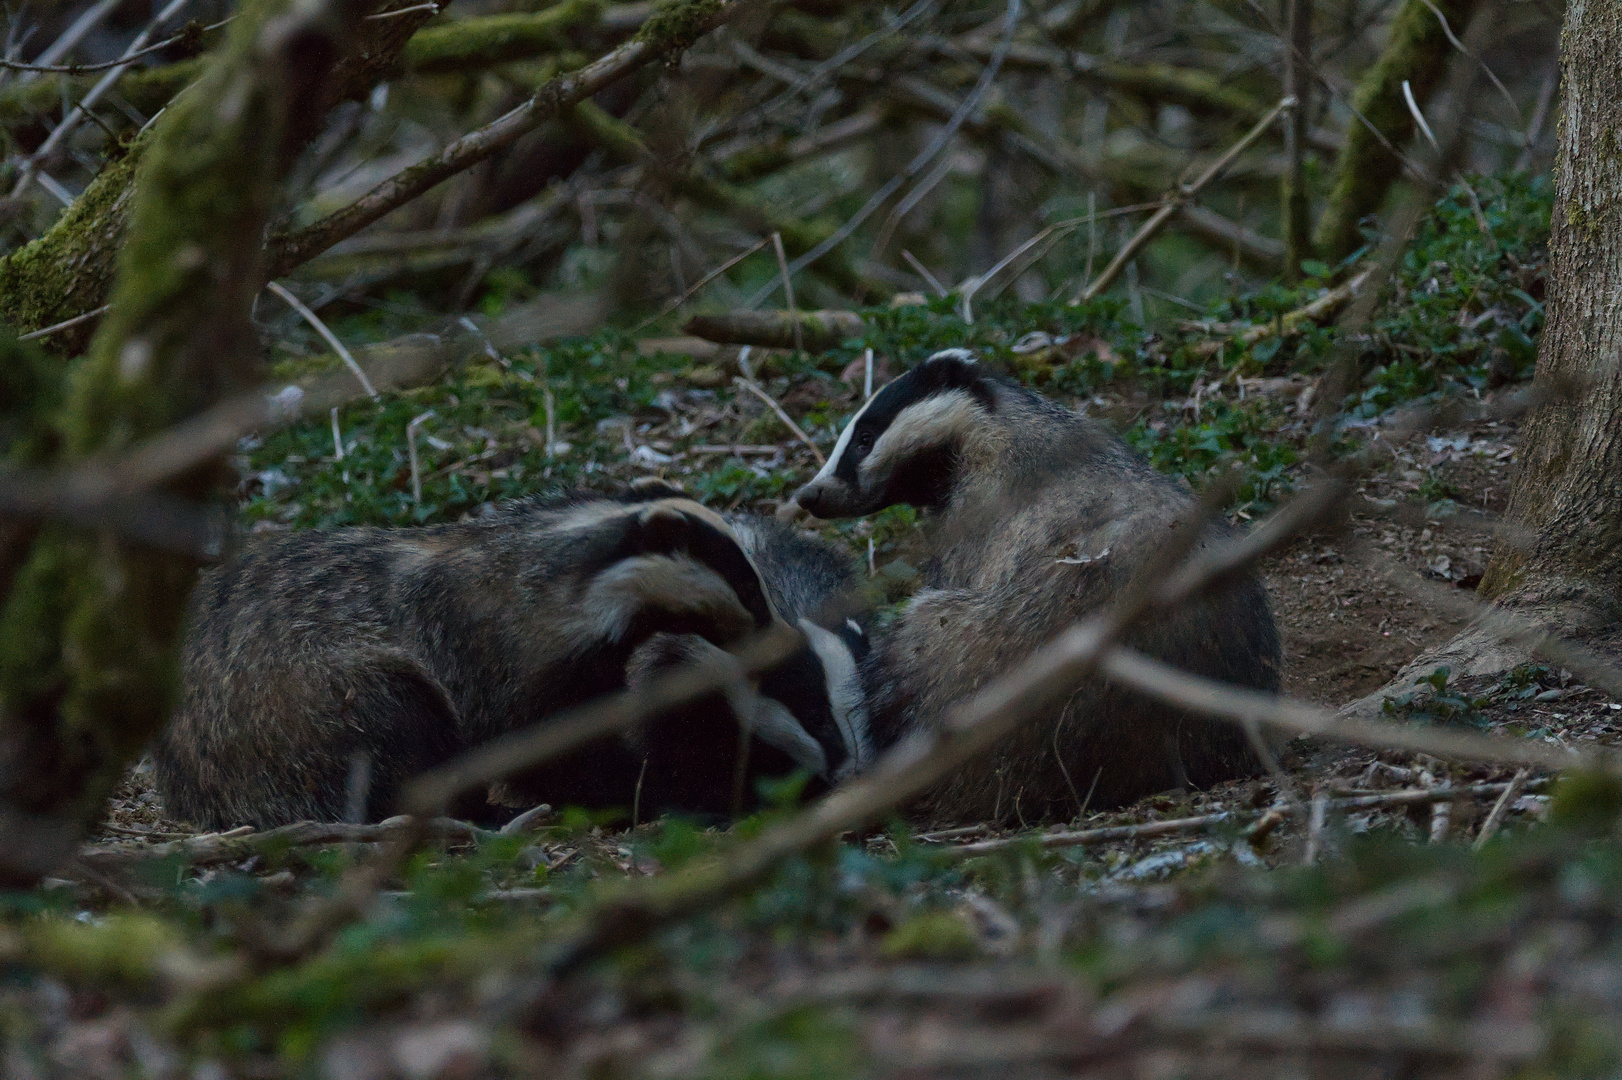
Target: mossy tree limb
x,y
670,31
1416,51
498,39
69,270
89,631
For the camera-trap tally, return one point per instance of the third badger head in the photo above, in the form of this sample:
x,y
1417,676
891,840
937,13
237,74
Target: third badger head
x,y
806,712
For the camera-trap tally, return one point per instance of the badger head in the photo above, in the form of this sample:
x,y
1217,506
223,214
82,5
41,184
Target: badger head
x,y
903,446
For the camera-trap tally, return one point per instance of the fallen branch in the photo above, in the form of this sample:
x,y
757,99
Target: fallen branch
x,y
1319,311
241,842
1176,826
776,329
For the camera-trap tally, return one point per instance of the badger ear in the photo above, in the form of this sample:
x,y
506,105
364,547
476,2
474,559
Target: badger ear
x,y
650,488
960,369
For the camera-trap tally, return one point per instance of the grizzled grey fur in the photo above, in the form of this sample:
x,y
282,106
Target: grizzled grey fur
x,y
316,657
1040,518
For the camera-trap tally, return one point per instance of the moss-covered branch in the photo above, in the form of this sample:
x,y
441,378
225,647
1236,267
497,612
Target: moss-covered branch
x,y
498,39
1416,51
69,270
146,89
89,632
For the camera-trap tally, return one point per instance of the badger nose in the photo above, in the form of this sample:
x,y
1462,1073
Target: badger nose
x,y
812,498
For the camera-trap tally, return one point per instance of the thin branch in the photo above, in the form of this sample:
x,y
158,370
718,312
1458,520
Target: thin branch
x,y
916,165
1174,686
65,127
1173,201
1495,816
1150,830
1459,45
291,249
754,388
65,324
332,339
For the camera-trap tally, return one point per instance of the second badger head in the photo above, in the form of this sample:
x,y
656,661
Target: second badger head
x,y
904,445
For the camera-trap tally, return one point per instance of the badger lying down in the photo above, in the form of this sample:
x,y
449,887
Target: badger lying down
x,y
314,660
1040,517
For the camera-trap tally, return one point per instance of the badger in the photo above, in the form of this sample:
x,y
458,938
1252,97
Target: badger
x,y
1040,516
695,761
322,670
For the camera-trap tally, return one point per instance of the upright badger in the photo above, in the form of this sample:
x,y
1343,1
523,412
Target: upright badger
x,y
394,650
1041,517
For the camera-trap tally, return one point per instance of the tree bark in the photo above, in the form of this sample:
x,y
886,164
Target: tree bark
x,y
1417,51
1558,562
1568,490
90,628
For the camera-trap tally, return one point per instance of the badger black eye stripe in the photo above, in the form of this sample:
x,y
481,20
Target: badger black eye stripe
x,y
951,369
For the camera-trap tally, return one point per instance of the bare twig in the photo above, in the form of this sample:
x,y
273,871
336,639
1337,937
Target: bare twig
x,y
411,446
66,125
788,296
1163,681
1174,200
1148,830
918,163
923,271
244,840
65,324
1459,45
1315,827
703,281
332,339
754,388
75,33
1495,816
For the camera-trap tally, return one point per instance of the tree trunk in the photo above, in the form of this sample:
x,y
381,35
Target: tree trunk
x,y
90,627
1417,52
1568,491
1558,561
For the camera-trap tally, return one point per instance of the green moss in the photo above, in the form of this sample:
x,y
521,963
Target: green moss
x,y
124,948
496,39
1416,51
676,25
932,935
67,271
1587,801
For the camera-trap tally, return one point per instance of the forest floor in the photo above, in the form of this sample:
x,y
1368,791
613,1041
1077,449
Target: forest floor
x,y
1347,918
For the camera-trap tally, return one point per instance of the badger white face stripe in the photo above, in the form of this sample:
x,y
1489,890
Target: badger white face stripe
x,y
832,463
666,583
935,421
845,698
774,725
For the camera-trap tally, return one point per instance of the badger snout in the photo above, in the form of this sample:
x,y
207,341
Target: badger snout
x,y
816,498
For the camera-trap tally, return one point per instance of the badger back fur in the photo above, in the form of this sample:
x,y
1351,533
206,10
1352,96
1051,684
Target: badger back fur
x,y
393,650
1041,517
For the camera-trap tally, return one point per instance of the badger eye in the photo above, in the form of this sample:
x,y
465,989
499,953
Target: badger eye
x,y
864,440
